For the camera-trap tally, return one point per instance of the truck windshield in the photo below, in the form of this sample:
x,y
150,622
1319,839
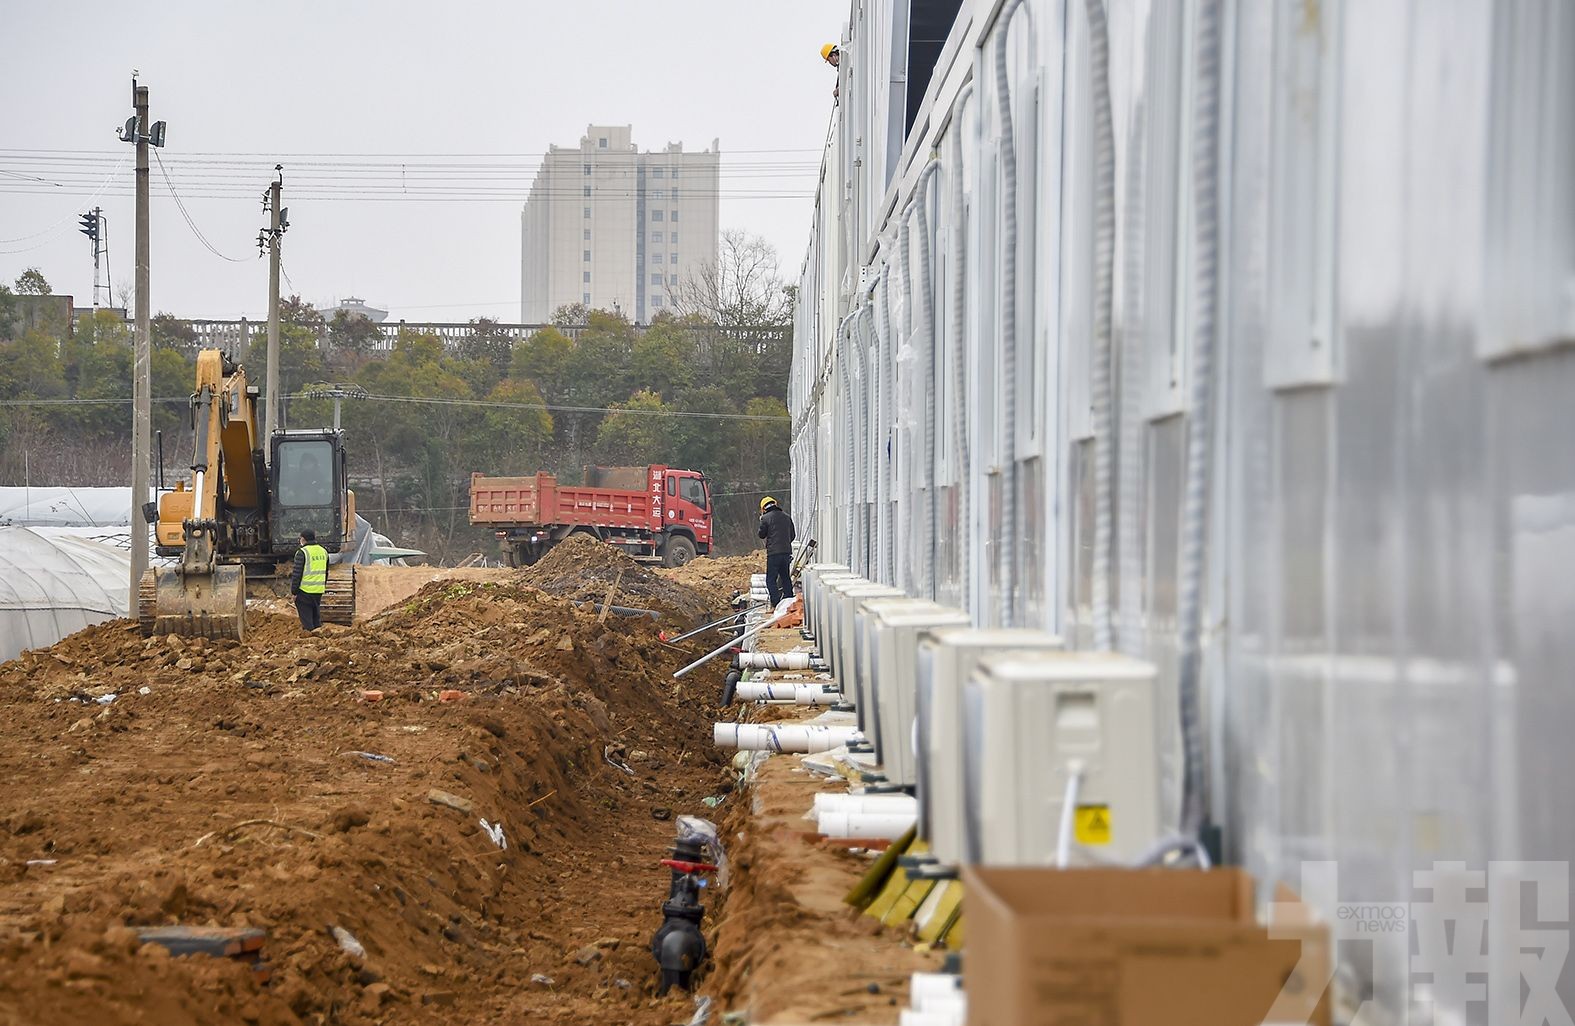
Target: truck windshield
x,y
692,489
306,473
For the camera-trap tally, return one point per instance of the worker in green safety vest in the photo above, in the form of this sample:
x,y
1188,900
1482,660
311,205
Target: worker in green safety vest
x,y
309,579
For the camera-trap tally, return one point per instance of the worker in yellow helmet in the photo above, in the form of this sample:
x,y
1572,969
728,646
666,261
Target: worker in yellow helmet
x,y
309,579
832,56
776,527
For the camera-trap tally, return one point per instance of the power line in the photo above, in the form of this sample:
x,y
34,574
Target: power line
x,y
54,228
189,222
434,401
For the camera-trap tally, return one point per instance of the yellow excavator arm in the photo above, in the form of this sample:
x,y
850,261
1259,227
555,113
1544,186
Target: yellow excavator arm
x,y
200,596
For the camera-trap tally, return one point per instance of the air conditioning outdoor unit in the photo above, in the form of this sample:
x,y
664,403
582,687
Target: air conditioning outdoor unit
x,y
863,683
846,599
1035,720
946,658
893,643
814,580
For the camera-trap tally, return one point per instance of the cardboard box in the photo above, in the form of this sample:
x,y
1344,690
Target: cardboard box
x,y
1124,947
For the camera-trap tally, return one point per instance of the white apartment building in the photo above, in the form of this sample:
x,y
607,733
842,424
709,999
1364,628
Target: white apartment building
x,y
614,228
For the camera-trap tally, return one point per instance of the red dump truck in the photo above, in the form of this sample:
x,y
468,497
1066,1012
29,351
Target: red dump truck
x,y
653,512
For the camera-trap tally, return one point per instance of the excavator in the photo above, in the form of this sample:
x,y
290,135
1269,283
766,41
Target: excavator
x,y
234,527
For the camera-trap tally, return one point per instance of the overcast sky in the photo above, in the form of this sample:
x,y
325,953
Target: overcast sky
x,y
377,84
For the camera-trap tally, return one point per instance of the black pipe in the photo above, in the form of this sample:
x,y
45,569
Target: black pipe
x,y
621,610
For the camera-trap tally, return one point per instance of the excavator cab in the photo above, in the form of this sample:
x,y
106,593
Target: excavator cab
x,y
308,489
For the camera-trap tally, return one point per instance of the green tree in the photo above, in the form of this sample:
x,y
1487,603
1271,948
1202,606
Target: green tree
x,y
174,333
638,431
663,359
544,359
30,368
31,282
570,315
512,436
353,333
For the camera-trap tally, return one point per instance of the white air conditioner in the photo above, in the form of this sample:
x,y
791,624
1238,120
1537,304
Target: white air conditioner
x,y
946,658
829,605
863,689
1031,721
846,601
893,643
814,581
809,586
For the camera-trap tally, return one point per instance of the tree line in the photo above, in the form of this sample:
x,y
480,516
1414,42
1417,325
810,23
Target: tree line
x,y
592,389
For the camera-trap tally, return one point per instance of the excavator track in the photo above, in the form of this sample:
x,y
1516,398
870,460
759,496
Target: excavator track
x,y
339,598
147,602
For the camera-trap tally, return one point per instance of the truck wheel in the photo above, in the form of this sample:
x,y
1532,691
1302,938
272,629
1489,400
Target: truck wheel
x,y
678,551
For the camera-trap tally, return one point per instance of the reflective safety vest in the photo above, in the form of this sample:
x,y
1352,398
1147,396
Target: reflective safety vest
x,y
314,578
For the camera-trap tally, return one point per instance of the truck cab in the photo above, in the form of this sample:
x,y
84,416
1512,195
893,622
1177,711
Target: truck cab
x,y
685,505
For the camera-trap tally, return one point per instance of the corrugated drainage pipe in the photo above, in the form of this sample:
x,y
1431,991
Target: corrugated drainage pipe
x,y
1200,427
926,362
1104,259
959,263
1007,553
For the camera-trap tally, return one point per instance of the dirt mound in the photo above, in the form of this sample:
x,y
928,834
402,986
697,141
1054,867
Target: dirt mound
x,y
251,784
585,570
378,587
718,579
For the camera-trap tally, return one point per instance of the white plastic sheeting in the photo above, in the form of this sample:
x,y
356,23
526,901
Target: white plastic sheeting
x,y
65,507
54,584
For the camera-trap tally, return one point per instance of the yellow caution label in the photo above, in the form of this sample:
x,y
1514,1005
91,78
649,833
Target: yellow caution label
x,y
1091,824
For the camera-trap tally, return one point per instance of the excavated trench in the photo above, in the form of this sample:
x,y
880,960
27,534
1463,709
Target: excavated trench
x,y
340,796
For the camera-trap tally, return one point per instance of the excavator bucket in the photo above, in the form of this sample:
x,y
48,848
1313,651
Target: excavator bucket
x,y
200,598
194,604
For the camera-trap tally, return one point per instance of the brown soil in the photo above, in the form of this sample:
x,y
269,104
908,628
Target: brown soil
x,y
586,570
235,793
378,587
718,579
788,949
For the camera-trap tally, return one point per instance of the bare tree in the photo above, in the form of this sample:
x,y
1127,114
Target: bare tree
x,y
125,292
742,287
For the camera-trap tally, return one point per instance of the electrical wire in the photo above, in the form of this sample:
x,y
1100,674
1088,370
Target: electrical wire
x,y
438,401
52,229
187,216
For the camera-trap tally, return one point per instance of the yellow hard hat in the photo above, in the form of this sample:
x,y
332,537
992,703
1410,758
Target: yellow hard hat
x,y
827,50
767,501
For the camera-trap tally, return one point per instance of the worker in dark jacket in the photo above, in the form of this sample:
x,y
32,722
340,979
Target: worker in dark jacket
x,y
776,527
309,579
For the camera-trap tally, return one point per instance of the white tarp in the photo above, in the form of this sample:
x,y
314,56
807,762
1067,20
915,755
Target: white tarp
x,y
65,507
54,583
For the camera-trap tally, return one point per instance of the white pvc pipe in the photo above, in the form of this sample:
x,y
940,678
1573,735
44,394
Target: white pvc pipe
x,y
937,988
867,826
789,691
949,1017
1063,847
775,661
734,643
782,737
841,801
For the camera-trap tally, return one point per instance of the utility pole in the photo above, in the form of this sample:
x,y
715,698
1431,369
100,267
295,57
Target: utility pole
x,y
141,386
93,227
141,133
274,235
